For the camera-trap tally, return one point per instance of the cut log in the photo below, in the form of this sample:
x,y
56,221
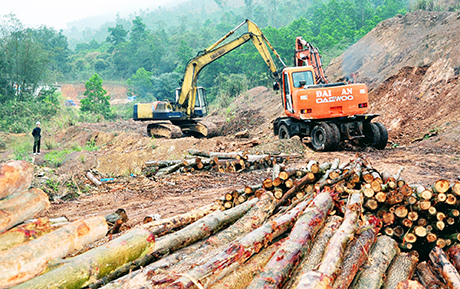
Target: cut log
x,y
23,262
441,186
444,268
25,233
15,176
166,226
454,254
401,269
373,271
456,188
180,239
299,185
94,264
12,207
427,277
231,155
283,262
409,284
356,254
93,179
239,251
316,253
330,265
243,276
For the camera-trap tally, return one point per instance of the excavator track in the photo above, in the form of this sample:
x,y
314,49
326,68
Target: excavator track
x,y
199,128
163,130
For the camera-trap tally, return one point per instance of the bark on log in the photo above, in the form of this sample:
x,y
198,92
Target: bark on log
x,y
219,155
140,277
12,210
239,251
454,254
356,254
315,255
330,265
401,269
243,276
381,255
166,226
25,233
445,268
94,264
297,186
180,239
23,262
285,260
427,277
409,284
15,176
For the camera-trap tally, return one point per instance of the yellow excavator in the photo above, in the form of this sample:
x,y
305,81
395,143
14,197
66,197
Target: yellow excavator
x,y
173,119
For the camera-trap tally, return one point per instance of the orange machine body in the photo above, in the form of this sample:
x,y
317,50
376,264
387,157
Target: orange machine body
x,y
304,99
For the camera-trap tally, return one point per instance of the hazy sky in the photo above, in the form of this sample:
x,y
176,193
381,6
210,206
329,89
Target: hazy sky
x,y
57,13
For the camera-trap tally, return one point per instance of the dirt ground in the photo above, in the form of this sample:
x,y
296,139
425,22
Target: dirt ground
x,y
413,85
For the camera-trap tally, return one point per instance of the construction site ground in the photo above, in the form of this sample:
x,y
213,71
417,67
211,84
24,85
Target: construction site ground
x,y
415,103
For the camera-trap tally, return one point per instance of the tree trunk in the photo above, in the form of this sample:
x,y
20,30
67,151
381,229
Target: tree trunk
x,y
308,178
94,264
23,262
382,253
280,266
356,254
180,239
330,265
401,269
15,176
207,154
25,233
239,251
12,208
427,277
166,226
445,268
243,276
314,257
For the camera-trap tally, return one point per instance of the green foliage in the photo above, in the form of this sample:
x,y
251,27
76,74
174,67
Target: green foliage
x,y
141,85
91,146
56,158
22,149
96,99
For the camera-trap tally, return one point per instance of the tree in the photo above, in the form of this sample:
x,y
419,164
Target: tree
x,y
117,35
96,100
141,85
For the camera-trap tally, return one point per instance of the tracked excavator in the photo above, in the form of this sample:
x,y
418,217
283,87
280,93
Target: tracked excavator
x,y
184,116
327,113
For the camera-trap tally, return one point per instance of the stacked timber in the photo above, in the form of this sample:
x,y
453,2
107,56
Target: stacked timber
x,y
218,162
309,227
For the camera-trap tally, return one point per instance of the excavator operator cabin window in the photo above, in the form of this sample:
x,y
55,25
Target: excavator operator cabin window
x,y
306,76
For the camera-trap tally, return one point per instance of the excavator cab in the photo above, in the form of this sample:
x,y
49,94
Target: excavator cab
x,y
201,106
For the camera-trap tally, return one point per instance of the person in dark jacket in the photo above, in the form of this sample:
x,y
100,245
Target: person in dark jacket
x,y
37,135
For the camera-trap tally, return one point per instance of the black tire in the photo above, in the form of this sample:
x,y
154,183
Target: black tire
x,y
336,134
383,136
283,132
371,135
322,137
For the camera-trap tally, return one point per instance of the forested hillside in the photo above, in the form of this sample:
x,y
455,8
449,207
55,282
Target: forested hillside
x,y
149,51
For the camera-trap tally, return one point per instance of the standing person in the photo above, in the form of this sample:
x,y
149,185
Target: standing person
x,y
36,133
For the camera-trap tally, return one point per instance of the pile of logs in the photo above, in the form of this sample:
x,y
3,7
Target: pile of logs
x,y
218,162
311,227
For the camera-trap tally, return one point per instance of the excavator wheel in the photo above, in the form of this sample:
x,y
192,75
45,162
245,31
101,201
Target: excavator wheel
x,y
322,137
371,135
283,132
336,133
383,136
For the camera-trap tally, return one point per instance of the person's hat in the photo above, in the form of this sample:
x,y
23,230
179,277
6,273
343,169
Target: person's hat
x,y
38,123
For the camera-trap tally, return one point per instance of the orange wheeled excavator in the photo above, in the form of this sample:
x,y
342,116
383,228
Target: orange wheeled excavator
x,y
328,113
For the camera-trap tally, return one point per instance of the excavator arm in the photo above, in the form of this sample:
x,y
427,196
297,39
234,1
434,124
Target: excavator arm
x,y
187,95
306,53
